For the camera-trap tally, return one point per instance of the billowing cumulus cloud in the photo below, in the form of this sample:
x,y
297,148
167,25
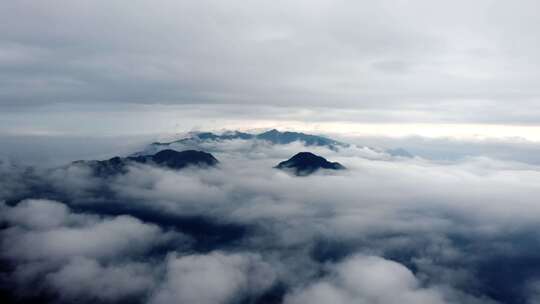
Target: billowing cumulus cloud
x,y
36,214
82,257
58,236
367,279
86,280
213,278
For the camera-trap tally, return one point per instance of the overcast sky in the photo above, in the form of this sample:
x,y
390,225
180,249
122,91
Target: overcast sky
x,y
453,67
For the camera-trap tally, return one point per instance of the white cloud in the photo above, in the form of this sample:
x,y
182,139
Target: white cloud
x,y
341,237
372,279
86,280
213,278
60,235
36,214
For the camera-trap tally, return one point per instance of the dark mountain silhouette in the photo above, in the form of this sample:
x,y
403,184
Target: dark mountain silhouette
x,y
166,158
198,137
305,163
225,136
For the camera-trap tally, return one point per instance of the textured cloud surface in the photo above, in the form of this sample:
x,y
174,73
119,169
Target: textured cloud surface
x,y
386,230
367,280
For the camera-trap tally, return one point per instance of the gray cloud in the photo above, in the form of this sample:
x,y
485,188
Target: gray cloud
x,y
450,62
453,149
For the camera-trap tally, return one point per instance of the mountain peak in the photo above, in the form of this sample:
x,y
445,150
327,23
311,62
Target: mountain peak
x,y
167,158
305,163
177,160
276,137
272,131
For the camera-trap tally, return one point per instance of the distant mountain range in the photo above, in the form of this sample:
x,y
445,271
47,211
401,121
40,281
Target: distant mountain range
x,y
305,163
272,136
166,155
210,141
166,158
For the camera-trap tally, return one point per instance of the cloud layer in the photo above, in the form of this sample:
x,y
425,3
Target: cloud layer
x,y
453,62
385,230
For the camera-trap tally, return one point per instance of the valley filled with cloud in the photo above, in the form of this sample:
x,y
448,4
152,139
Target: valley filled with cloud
x,y
388,229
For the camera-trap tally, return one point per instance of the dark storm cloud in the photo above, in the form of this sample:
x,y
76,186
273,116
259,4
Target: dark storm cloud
x,y
458,61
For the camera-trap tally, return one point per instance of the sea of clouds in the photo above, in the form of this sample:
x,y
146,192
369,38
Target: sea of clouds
x,y
386,230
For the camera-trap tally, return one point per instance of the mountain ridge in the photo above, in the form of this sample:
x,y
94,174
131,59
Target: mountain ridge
x,y
167,158
272,136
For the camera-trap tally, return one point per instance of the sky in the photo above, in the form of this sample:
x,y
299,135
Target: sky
x,y
392,68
